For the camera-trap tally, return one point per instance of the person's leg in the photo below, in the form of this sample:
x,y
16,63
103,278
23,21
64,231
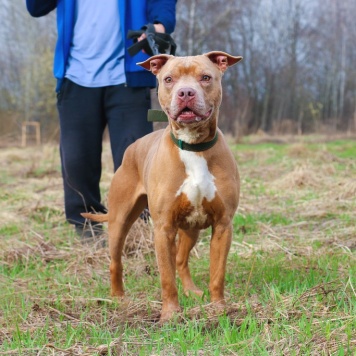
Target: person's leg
x,y
126,112
82,124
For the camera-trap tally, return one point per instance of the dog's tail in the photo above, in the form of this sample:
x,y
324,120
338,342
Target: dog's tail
x,y
96,217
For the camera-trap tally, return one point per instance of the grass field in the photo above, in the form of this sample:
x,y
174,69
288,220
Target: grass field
x,y
291,276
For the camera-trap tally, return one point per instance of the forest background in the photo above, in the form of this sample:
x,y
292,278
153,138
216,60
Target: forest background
x,y
298,74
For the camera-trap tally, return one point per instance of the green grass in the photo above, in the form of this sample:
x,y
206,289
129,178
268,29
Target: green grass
x,y
290,279
343,149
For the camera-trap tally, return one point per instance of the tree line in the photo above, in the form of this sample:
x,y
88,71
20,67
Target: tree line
x,y
299,67
298,74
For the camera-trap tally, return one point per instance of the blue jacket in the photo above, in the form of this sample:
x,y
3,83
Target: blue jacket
x,y
133,15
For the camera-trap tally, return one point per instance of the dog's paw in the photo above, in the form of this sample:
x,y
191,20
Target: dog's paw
x,y
218,305
169,314
195,292
118,294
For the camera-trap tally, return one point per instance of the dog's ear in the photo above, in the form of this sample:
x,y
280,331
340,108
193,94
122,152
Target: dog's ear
x,y
155,63
222,60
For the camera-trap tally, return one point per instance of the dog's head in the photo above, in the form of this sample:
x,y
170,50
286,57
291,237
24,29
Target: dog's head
x,y
189,91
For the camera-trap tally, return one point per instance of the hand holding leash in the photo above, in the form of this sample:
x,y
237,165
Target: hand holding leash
x,y
151,41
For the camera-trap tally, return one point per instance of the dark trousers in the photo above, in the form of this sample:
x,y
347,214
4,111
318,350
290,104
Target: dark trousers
x,y
83,115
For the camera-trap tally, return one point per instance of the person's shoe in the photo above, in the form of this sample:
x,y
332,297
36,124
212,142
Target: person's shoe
x,y
145,215
90,233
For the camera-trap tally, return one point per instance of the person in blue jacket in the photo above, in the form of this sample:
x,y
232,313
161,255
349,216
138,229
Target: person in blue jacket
x,y
99,85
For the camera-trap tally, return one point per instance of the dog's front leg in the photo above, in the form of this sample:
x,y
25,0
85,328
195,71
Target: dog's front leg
x,y
166,258
186,241
219,249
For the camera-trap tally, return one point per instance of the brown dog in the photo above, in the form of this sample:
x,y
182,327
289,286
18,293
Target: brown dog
x,y
185,173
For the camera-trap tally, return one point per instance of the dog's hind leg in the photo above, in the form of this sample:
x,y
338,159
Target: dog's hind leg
x,y
126,203
186,241
117,236
118,230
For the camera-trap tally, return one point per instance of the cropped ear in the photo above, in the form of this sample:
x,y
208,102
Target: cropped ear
x,y
155,63
222,60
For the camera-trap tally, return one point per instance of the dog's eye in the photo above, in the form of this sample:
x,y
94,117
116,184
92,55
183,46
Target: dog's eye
x,y
168,80
205,78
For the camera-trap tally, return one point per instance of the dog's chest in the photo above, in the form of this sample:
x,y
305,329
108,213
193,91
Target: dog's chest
x,y
198,184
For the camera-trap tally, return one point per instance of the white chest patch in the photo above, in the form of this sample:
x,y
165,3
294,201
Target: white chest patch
x,y
185,134
198,185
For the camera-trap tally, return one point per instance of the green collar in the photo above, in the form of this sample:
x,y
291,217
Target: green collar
x,y
195,147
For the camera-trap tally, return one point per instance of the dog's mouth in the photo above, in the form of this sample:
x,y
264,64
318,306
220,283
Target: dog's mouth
x,y
187,116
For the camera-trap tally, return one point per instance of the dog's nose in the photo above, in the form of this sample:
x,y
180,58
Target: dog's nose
x,y
186,94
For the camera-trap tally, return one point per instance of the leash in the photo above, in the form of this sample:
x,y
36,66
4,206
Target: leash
x,y
154,43
194,147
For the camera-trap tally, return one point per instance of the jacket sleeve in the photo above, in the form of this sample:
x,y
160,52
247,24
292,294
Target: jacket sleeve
x,y
38,8
162,11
